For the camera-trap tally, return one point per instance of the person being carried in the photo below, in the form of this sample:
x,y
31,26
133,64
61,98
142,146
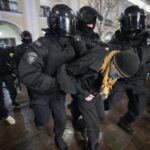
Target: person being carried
x,y
91,79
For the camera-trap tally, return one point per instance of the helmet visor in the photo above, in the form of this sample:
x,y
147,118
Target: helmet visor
x,y
134,22
64,26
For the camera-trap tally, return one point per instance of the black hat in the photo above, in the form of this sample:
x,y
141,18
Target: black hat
x,y
127,63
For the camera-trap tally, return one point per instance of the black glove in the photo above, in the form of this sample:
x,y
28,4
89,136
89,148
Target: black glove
x,y
91,45
79,46
77,38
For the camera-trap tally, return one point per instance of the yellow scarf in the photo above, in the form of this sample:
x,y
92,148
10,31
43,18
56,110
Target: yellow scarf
x,y
107,82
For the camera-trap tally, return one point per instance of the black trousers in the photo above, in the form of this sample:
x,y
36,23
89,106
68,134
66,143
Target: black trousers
x,y
136,106
93,114
77,123
30,93
3,110
136,102
50,104
9,81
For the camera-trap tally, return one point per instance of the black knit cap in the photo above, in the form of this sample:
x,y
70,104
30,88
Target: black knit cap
x,y
127,63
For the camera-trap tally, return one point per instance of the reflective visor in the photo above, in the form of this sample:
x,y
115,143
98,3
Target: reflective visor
x,y
135,21
64,26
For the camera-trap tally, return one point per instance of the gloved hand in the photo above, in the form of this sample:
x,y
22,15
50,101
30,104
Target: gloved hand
x,y
79,45
91,44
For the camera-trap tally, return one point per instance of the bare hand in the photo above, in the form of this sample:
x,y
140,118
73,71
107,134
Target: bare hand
x,y
89,98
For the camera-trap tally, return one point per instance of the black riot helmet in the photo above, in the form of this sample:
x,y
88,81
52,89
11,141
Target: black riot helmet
x,y
87,15
26,37
61,20
132,19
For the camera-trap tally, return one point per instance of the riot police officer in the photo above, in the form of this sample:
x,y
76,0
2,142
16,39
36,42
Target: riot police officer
x,y
132,35
85,39
38,70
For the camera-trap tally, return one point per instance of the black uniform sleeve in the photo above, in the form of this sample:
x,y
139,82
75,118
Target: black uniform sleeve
x,y
69,83
145,59
69,77
80,66
19,51
79,46
31,69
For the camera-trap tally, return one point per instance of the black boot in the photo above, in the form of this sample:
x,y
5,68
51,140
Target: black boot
x,y
61,143
125,127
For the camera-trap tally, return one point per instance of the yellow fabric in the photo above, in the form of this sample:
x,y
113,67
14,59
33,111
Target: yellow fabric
x,y
107,82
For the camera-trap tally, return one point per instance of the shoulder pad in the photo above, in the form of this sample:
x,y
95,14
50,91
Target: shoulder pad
x,y
37,43
40,42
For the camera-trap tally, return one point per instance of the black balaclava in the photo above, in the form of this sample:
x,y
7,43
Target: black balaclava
x,y
26,37
85,16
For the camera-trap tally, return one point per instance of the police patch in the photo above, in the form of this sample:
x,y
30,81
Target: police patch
x,y
31,57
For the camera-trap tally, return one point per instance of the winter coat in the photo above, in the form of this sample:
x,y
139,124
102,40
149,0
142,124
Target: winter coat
x,y
39,64
82,76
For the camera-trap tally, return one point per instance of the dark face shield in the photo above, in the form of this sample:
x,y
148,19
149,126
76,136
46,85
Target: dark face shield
x,y
134,22
64,26
61,20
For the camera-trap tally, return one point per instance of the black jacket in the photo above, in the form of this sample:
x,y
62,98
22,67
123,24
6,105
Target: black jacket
x,y
38,66
138,45
19,51
82,77
84,42
122,41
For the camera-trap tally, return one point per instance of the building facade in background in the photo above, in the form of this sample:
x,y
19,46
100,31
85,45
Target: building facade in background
x,y
19,15
31,15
